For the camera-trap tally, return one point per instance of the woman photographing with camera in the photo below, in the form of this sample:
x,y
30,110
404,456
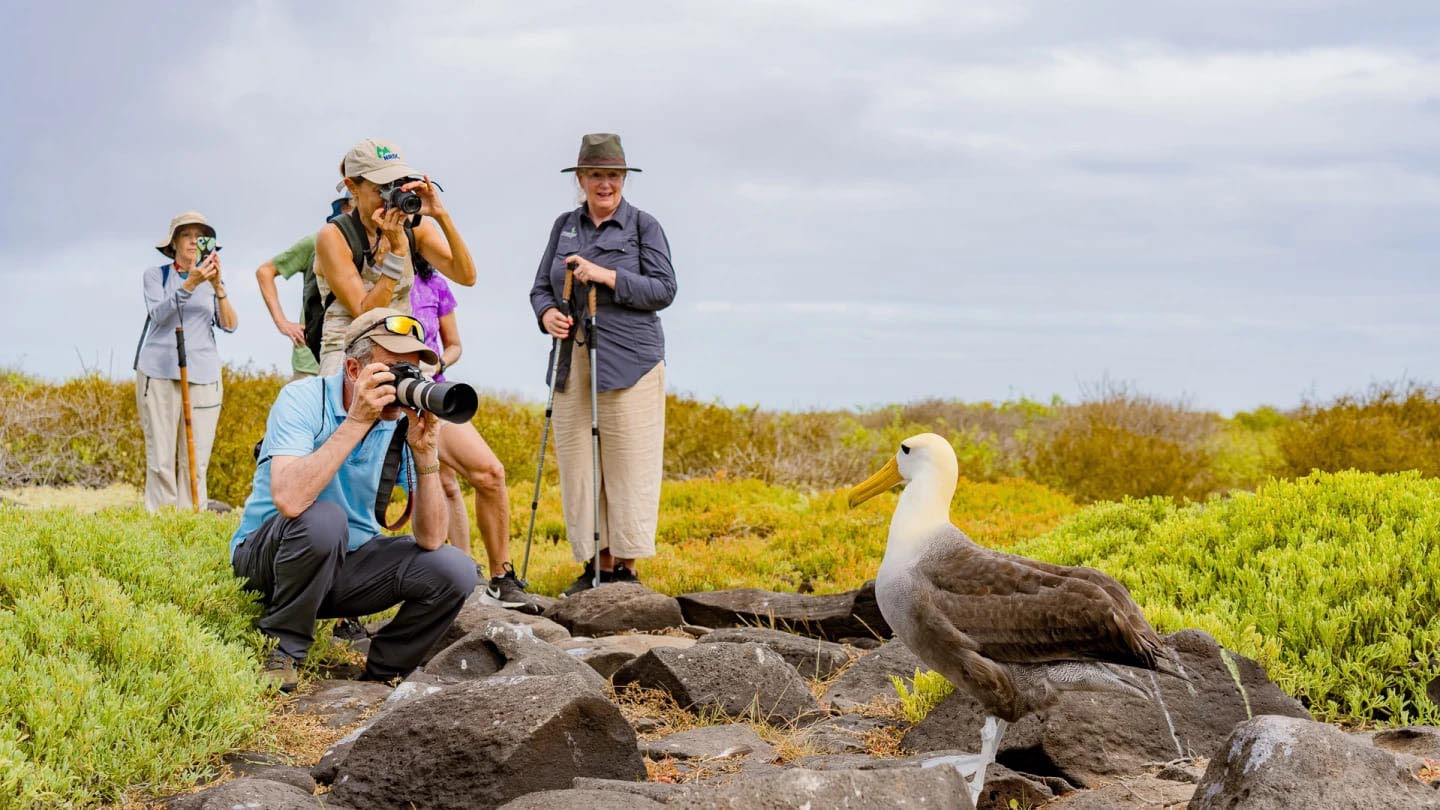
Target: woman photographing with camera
x,y
186,291
368,259
621,260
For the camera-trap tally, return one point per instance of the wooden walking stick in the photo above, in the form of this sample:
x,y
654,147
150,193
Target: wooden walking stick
x,y
189,428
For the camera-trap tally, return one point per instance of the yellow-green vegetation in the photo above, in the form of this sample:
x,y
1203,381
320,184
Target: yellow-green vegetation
x,y
924,692
748,534
1329,581
127,658
126,654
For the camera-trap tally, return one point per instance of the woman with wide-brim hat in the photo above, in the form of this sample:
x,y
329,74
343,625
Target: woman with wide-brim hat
x,y
623,254
180,293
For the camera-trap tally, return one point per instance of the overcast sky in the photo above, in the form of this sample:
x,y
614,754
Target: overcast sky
x,y
867,201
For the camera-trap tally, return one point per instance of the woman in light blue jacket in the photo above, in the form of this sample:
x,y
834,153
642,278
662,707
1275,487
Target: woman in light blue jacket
x,y
180,293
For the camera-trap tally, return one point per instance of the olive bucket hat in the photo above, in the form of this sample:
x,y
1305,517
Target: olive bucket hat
x,y
601,150
165,246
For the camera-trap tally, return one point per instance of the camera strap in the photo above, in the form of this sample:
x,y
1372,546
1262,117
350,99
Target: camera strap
x,y
390,474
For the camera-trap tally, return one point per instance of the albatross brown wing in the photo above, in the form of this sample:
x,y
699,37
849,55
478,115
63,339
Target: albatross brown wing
x,y
1016,612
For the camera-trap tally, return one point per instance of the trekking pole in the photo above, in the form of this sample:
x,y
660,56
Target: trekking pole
x,y
594,426
555,346
189,428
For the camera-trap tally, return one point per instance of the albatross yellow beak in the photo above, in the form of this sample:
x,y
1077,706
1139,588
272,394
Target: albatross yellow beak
x,y
887,477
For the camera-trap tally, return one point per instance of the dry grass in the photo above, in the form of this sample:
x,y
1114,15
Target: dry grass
x,y
1118,442
83,499
1390,428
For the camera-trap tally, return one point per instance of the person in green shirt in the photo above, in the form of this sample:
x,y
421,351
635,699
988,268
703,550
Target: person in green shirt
x,y
298,259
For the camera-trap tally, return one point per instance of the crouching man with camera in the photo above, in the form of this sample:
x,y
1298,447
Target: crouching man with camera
x,y
310,540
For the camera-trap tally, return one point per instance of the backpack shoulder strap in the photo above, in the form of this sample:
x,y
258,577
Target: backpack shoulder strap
x,y
145,330
355,237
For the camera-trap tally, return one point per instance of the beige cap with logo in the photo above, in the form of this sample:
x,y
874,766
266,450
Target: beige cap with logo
x,y
400,336
375,160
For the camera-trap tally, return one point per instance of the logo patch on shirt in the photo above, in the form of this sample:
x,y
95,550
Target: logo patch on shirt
x,y
568,234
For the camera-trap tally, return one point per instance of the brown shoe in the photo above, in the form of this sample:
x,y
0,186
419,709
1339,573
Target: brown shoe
x,y
282,671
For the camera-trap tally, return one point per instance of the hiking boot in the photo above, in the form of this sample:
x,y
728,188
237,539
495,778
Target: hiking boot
x,y
507,591
282,671
351,630
620,574
584,582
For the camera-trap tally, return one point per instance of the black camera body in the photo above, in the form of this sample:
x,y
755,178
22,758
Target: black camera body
x,y
452,401
397,197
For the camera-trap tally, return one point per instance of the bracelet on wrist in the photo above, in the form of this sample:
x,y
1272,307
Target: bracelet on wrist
x,y
430,470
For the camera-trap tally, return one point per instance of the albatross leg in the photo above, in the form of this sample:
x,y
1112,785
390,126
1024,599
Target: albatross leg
x,y
972,766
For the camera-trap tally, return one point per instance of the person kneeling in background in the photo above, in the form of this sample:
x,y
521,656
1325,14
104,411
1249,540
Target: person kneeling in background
x,y
310,542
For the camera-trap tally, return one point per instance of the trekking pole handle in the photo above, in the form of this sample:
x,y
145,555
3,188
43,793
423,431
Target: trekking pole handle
x,y
180,344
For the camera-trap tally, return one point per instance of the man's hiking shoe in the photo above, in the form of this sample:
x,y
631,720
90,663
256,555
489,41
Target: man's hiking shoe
x,y
282,671
584,582
351,630
620,574
507,591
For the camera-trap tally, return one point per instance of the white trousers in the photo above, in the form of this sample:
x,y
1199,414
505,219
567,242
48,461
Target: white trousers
x,y
162,418
632,460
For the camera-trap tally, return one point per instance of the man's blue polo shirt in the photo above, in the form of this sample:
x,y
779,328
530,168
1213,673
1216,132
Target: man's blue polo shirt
x,y
305,414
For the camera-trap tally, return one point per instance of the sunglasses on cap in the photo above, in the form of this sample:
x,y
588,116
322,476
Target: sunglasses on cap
x,y
395,325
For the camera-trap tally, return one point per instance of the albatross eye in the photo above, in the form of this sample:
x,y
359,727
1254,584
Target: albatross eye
x,y
904,449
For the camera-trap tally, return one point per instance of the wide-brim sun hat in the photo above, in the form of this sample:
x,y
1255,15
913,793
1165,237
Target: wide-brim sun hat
x,y
375,160
188,218
371,324
601,150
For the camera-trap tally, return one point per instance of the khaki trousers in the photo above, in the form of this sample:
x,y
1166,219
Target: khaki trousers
x,y
632,459
162,418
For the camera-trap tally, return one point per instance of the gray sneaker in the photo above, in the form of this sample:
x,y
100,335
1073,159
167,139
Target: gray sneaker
x,y
506,591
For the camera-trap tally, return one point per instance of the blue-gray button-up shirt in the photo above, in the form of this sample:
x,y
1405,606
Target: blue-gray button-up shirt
x,y
632,243
169,304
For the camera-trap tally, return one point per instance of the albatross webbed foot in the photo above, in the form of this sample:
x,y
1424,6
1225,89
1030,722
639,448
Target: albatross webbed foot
x,y
972,766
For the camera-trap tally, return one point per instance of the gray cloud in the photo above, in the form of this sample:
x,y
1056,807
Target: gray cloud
x,y
867,202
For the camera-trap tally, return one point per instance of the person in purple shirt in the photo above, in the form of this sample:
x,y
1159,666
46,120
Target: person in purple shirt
x,y
464,452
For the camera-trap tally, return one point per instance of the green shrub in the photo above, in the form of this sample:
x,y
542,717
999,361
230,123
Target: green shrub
x,y
126,654
1392,427
1329,581
1119,443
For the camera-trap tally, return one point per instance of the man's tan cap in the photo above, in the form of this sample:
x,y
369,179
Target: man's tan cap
x,y
372,325
375,160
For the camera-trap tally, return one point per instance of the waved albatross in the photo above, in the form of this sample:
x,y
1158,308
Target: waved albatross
x,y
1011,631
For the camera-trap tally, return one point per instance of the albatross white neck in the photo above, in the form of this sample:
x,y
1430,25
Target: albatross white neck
x,y
924,507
